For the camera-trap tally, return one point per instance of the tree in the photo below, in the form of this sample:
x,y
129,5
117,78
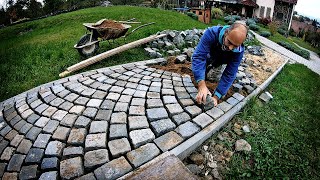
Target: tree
x,y
52,6
35,9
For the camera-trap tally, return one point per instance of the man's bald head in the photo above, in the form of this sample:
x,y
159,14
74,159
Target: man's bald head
x,y
236,35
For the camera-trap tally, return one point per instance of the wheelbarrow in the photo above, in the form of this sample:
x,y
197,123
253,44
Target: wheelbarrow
x,y
103,30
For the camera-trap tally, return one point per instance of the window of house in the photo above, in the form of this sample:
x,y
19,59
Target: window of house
x,y
268,13
262,11
200,12
279,15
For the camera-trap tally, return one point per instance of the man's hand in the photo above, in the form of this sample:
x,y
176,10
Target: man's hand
x,y
215,100
203,91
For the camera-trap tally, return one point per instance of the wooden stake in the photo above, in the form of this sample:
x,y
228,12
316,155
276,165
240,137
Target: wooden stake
x,y
109,53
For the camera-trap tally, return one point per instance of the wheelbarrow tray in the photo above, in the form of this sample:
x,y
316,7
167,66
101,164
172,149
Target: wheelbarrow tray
x,y
107,33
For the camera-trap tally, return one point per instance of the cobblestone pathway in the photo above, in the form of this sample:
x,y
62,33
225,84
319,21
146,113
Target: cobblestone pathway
x,y
313,65
100,124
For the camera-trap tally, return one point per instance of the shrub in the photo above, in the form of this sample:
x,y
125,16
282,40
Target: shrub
x,y
265,34
273,28
231,18
282,32
192,15
299,51
250,21
254,27
265,21
216,13
292,33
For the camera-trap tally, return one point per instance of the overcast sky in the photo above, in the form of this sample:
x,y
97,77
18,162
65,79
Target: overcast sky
x,y
304,7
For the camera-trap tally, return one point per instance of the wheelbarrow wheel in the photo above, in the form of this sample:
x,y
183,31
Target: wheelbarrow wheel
x,y
88,50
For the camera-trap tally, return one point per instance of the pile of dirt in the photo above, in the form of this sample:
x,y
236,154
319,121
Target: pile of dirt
x,y
110,24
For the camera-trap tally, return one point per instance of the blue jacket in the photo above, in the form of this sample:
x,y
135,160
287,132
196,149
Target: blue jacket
x,y
209,51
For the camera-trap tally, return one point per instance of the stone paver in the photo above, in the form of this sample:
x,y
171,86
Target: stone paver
x,y
143,154
100,124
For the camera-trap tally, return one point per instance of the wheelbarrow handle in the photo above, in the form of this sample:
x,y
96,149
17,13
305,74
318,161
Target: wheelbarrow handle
x,y
139,28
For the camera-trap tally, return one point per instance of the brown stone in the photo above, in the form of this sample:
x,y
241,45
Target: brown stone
x,y
198,159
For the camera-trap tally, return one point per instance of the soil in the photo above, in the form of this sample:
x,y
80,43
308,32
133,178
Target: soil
x,y
110,24
271,59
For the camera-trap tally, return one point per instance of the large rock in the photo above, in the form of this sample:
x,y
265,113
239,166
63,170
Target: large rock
x,y
242,145
215,73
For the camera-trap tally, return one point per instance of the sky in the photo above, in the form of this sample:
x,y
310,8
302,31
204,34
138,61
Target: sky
x,y
308,8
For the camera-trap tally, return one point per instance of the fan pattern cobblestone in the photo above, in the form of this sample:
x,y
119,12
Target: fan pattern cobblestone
x,y
100,124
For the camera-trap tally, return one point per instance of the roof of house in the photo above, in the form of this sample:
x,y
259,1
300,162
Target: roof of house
x,y
248,3
289,1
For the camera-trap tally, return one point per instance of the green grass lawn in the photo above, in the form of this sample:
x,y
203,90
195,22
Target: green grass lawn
x,y
291,40
35,52
286,144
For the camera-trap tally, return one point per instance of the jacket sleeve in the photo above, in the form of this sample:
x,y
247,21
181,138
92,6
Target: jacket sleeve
x,y
229,75
200,55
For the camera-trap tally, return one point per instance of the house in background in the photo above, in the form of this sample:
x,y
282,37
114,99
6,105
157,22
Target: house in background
x,y
277,10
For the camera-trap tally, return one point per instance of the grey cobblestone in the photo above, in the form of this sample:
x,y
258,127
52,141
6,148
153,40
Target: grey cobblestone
x,y
121,107
162,126
28,172
71,168
82,122
50,163
140,137
202,120
215,112
81,101
66,106
7,153
187,129
174,109
95,141
118,131
59,115
141,87
15,162
77,136
186,102
138,102
113,169
193,110
119,147
16,140
107,104
96,157
140,94
54,148
61,133
169,100
25,128
129,91
71,97
33,133
90,112
181,118
73,151
125,98
137,110
224,106
34,155
52,175
57,102
119,118
51,126
156,113
99,94
138,122
42,140
183,95
154,103
168,141
42,121
113,96
77,109
143,154
69,120
94,103
98,127
238,96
